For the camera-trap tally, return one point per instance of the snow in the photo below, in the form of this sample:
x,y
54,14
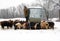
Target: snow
x,y
53,19
31,35
21,19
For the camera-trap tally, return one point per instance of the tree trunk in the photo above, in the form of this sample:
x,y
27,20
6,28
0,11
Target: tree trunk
x,y
59,10
59,14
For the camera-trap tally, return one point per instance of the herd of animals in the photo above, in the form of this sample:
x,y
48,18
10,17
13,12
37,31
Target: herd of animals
x,y
27,25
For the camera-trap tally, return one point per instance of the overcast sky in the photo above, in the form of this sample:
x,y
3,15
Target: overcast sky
x,y
9,3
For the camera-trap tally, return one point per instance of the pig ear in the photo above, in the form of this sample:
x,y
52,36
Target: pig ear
x,y
9,19
0,23
41,20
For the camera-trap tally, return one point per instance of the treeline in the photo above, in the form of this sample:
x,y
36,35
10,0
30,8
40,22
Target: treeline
x,y
12,12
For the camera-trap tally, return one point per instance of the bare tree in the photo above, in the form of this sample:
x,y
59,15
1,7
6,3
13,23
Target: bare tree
x,y
44,5
50,7
59,10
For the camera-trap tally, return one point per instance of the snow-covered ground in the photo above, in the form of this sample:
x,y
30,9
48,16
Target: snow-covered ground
x,y
21,19
31,35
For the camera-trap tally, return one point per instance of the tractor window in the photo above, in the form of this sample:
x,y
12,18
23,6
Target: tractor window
x,y
37,13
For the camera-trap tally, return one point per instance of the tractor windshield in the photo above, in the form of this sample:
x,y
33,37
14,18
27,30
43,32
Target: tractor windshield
x,y
37,14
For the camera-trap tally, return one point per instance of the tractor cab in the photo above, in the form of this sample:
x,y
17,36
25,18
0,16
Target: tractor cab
x,y
37,14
